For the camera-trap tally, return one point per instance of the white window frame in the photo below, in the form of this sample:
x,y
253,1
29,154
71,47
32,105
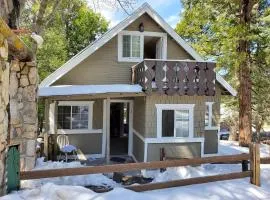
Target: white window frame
x,y
90,117
141,34
210,116
189,107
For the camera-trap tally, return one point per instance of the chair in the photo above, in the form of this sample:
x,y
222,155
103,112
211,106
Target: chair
x,y
65,147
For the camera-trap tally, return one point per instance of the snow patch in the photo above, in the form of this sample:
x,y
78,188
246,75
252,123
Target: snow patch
x,y
88,89
82,180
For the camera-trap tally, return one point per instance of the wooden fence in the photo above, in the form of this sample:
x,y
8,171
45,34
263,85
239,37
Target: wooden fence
x,y
253,172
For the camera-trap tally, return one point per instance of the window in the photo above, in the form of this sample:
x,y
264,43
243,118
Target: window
x,y
175,120
74,115
131,47
209,122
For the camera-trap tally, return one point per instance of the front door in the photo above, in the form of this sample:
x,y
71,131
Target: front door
x,y
119,128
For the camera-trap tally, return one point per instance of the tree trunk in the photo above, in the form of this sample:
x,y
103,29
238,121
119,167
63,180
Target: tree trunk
x,y
245,120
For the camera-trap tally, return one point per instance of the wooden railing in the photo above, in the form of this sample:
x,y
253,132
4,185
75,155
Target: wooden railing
x,y
253,173
175,77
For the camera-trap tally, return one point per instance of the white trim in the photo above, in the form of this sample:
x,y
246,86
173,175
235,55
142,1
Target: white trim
x,y
145,152
104,128
226,85
106,125
90,117
93,156
168,140
210,117
189,107
138,135
130,133
90,49
120,47
214,128
78,131
74,103
52,118
173,140
202,147
145,33
134,158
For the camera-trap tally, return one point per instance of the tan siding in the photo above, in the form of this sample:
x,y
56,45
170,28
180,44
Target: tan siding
x,y
178,150
176,52
211,141
148,23
199,110
98,114
138,148
102,67
88,143
139,115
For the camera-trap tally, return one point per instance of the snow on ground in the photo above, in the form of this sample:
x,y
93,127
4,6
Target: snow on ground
x,y
82,180
232,147
57,188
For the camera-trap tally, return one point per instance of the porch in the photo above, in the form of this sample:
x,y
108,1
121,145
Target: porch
x,y
99,124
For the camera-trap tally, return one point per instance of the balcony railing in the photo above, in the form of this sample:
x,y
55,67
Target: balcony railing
x,y
175,77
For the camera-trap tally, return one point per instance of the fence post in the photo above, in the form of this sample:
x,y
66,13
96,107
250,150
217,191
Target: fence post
x,y
255,164
162,158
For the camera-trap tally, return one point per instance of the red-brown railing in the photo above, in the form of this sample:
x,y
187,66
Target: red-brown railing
x,y
175,77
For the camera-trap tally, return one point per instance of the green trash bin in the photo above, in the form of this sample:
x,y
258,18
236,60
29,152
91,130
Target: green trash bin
x,y
13,169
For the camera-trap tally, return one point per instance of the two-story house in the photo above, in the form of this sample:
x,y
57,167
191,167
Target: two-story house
x,y
138,88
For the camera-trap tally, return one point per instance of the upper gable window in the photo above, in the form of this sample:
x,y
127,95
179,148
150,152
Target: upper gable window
x,y
130,47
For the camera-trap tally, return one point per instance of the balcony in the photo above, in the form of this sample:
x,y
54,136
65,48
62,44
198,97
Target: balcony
x,y
173,77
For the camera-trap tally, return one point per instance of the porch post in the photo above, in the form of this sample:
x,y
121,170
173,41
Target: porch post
x,y
47,127
108,105
55,130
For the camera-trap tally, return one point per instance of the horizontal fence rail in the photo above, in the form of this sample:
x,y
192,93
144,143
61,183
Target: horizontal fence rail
x,y
265,160
190,181
129,167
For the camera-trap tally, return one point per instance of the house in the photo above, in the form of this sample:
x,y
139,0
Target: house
x,y
137,89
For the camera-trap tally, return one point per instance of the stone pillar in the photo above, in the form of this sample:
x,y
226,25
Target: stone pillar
x,y
4,100
23,110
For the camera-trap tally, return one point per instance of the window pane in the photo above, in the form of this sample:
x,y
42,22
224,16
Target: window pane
x,y
63,117
167,123
207,115
135,46
126,45
214,116
79,117
182,123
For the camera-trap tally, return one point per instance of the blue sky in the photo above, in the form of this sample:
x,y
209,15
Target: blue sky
x,y
169,9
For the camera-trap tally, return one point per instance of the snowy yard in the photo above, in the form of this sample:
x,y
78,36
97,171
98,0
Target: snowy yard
x,y
68,187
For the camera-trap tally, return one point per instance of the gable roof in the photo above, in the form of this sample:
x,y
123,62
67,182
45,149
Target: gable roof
x,y
90,49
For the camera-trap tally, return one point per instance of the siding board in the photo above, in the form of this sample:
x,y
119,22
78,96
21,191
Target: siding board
x,y
102,67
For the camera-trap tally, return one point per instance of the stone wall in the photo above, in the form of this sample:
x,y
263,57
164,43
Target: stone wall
x,y
18,109
4,100
23,110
